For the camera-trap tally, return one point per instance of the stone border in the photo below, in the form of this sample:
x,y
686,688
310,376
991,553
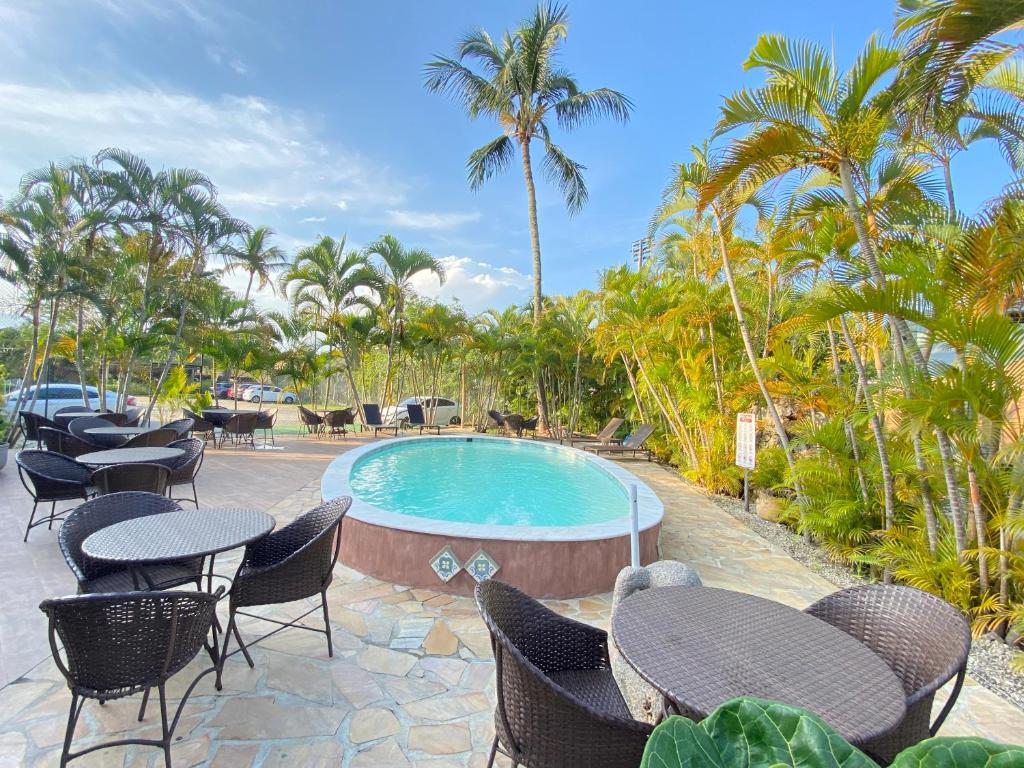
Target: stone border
x,y
335,482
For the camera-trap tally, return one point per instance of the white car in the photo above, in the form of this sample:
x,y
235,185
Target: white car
x,y
57,395
267,393
445,411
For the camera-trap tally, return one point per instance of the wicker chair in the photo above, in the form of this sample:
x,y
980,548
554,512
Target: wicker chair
x,y
121,644
73,409
265,421
240,429
557,700
290,564
78,427
925,641
50,476
132,417
96,576
116,419
336,421
187,467
66,444
530,425
155,438
313,423
200,425
514,424
497,418
182,427
116,478
30,424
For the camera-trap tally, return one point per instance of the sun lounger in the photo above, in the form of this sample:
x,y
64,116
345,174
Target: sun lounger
x,y
371,418
632,445
606,435
417,419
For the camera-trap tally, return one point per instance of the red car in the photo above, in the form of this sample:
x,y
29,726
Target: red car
x,y
235,391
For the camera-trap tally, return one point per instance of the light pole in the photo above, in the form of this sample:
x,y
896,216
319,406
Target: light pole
x,y
641,251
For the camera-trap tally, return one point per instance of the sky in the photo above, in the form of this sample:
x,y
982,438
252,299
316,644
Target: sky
x,y
312,118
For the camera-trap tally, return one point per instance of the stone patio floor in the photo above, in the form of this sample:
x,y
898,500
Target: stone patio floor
x,y
411,681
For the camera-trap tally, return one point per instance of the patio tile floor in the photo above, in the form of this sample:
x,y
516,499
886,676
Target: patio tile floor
x,y
411,682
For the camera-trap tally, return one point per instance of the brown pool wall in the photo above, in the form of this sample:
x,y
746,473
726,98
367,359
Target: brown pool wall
x,y
552,569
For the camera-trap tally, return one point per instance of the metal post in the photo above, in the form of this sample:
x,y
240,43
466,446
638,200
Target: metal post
x,y
746,491
634,527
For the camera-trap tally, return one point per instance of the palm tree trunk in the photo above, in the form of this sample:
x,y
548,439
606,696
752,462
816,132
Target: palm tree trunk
x,y
30,362
51,332
947,177
632,386
851,436
391,346
79,357
538,295
717,373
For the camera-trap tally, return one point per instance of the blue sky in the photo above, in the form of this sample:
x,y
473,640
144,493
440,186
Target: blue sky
x,y
311,117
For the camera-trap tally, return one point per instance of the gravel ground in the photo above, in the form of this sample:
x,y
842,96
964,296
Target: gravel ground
x,y
989,662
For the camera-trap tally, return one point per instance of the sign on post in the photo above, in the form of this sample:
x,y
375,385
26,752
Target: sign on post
x,y
746,440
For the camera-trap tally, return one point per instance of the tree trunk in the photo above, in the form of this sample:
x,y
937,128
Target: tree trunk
x,y
538,294
29,370
851,436
80,358
51,329
632,386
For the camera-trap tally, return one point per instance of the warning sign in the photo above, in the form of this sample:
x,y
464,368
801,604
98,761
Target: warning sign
x,y
746,440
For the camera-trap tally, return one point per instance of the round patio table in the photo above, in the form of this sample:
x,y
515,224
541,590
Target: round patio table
x,y
218,416
68,416
701,646
122,431
129,456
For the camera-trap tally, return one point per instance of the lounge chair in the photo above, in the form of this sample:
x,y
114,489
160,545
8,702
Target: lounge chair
x,y
417,419
632,445
606,435
371,418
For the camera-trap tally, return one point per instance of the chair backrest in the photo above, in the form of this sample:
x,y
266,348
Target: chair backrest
x,y
531,424
313,539
50,437
308,417
155,438
609,430
497,417
117,478
100,512
639,437
132,417
31,422
117,419
241,423
72,409
78,426
266,419
514,422
536,713
924,639
51,473
182,427
63,442
127,642
371,415
187,467
416,417
339,418
199,424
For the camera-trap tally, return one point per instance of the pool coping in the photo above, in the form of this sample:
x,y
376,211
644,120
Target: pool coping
x,y
335,483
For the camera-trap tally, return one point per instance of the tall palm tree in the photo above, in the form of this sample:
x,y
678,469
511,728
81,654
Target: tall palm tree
x,y
254,255
519,84
396,266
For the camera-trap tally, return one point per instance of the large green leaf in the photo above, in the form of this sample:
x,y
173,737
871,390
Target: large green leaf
x,y
681,742
948,752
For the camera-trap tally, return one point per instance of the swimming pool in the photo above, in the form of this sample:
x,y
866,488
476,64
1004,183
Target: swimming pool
x,y
555,519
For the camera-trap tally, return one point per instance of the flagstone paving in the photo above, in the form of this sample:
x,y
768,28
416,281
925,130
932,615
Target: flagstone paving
x,y
412,680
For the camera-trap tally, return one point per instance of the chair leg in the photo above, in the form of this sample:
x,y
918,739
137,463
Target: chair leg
x,y
31,519
73,713
163,726
53,511
494,753
195,494
142,708
327,624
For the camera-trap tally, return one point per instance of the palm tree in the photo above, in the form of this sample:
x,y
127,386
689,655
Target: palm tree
x,y
257,257
396,266
519,84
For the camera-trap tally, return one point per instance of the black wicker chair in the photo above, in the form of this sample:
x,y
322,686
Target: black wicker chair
x,y
30,424
240,429
558,703
530,425
514,424
200,426
498,419
96,576
265,421
925,641
290,564
78,427
51,477
313,423
66,444
121,644
116,419
116,478
182,427
187,467
132,417
336,421
155,438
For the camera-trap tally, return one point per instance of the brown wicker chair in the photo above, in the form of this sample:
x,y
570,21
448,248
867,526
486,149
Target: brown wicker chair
x,y
240,429
290,564
314,424
116,419
97,576
182,427
530,425
30,424
116,478
51,477
120,644
265,421
514,424
558,703
187,467
336,421
200,426
498,419
925,641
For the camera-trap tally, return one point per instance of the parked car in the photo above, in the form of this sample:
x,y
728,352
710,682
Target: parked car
x,y
57,395
267,393
221,389
235,391
445,411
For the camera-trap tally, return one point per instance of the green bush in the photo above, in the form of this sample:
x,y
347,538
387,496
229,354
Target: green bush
x,y
769,473
755,733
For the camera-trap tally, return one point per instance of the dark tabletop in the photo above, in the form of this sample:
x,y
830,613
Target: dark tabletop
x,y
701,647
68,416
174,535
129,456
118,430
218,416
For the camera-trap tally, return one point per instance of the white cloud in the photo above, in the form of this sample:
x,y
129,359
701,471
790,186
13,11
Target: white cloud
x,y
311,219
261,155
477,285
429,219
238,66
341,205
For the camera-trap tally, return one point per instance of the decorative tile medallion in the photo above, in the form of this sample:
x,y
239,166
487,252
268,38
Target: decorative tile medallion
x,y
445,564
481,566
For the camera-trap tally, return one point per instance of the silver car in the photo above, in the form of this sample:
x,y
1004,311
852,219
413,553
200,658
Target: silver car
x,y
436,410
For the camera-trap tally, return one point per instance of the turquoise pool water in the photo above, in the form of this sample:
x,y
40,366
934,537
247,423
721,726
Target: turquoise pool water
x,y
491,482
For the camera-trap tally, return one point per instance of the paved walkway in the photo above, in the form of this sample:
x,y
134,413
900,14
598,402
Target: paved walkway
x,y
411,683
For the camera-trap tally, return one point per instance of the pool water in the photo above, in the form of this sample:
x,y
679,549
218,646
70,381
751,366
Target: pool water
x,y
491,482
